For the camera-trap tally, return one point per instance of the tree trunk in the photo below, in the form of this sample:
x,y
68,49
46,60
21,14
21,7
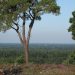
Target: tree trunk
x,y
26,50
26,47
25,43
25,40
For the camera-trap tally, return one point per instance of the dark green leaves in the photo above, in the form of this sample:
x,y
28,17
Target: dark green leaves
x,y
72,27
10,9
73,13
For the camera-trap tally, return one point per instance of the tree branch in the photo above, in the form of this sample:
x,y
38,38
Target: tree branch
x,y
23,28
20,37
30,13
16,24
17,30
29,16
32,22
13,28
21,16
30,28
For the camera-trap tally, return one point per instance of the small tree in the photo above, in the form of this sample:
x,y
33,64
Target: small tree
x,y
70,59
72,27
12,11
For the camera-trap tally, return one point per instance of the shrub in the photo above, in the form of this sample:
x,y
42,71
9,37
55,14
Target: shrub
x,y
20,59
70,59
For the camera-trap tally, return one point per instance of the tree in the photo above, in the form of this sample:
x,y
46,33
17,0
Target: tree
x,y
70,59
12,11
72,27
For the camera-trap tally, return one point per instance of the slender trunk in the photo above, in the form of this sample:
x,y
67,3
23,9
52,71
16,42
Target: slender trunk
x,y
25,40
28,38
26,50
25,43
20,37
26,47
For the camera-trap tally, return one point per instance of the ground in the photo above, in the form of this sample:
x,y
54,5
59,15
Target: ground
x,y
45,69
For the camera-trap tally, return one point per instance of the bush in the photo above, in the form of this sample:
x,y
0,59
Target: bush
x,y
70,59
20,59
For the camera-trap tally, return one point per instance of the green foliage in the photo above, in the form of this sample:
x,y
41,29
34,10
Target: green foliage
x,y
20,59
37,54
70,59
72,27
10,10
50,57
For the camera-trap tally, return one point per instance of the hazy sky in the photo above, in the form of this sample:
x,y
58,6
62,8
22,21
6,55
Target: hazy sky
x,y
51,29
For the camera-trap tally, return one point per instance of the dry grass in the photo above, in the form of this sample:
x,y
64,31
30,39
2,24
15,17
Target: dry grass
x,y
47,69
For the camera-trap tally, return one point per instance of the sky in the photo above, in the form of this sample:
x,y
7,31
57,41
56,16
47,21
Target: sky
x,y
51,29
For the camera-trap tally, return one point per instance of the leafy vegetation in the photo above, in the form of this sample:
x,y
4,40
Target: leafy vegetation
x,y
40,54
72,27
70,59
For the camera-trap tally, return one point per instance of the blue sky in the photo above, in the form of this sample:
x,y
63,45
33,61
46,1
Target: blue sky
x,y
51,29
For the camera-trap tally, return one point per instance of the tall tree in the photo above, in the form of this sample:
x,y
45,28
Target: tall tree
x,y
12,11
72,27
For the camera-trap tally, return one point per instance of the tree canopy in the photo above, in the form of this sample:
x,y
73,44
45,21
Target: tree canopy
x,y
72,27
11,10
